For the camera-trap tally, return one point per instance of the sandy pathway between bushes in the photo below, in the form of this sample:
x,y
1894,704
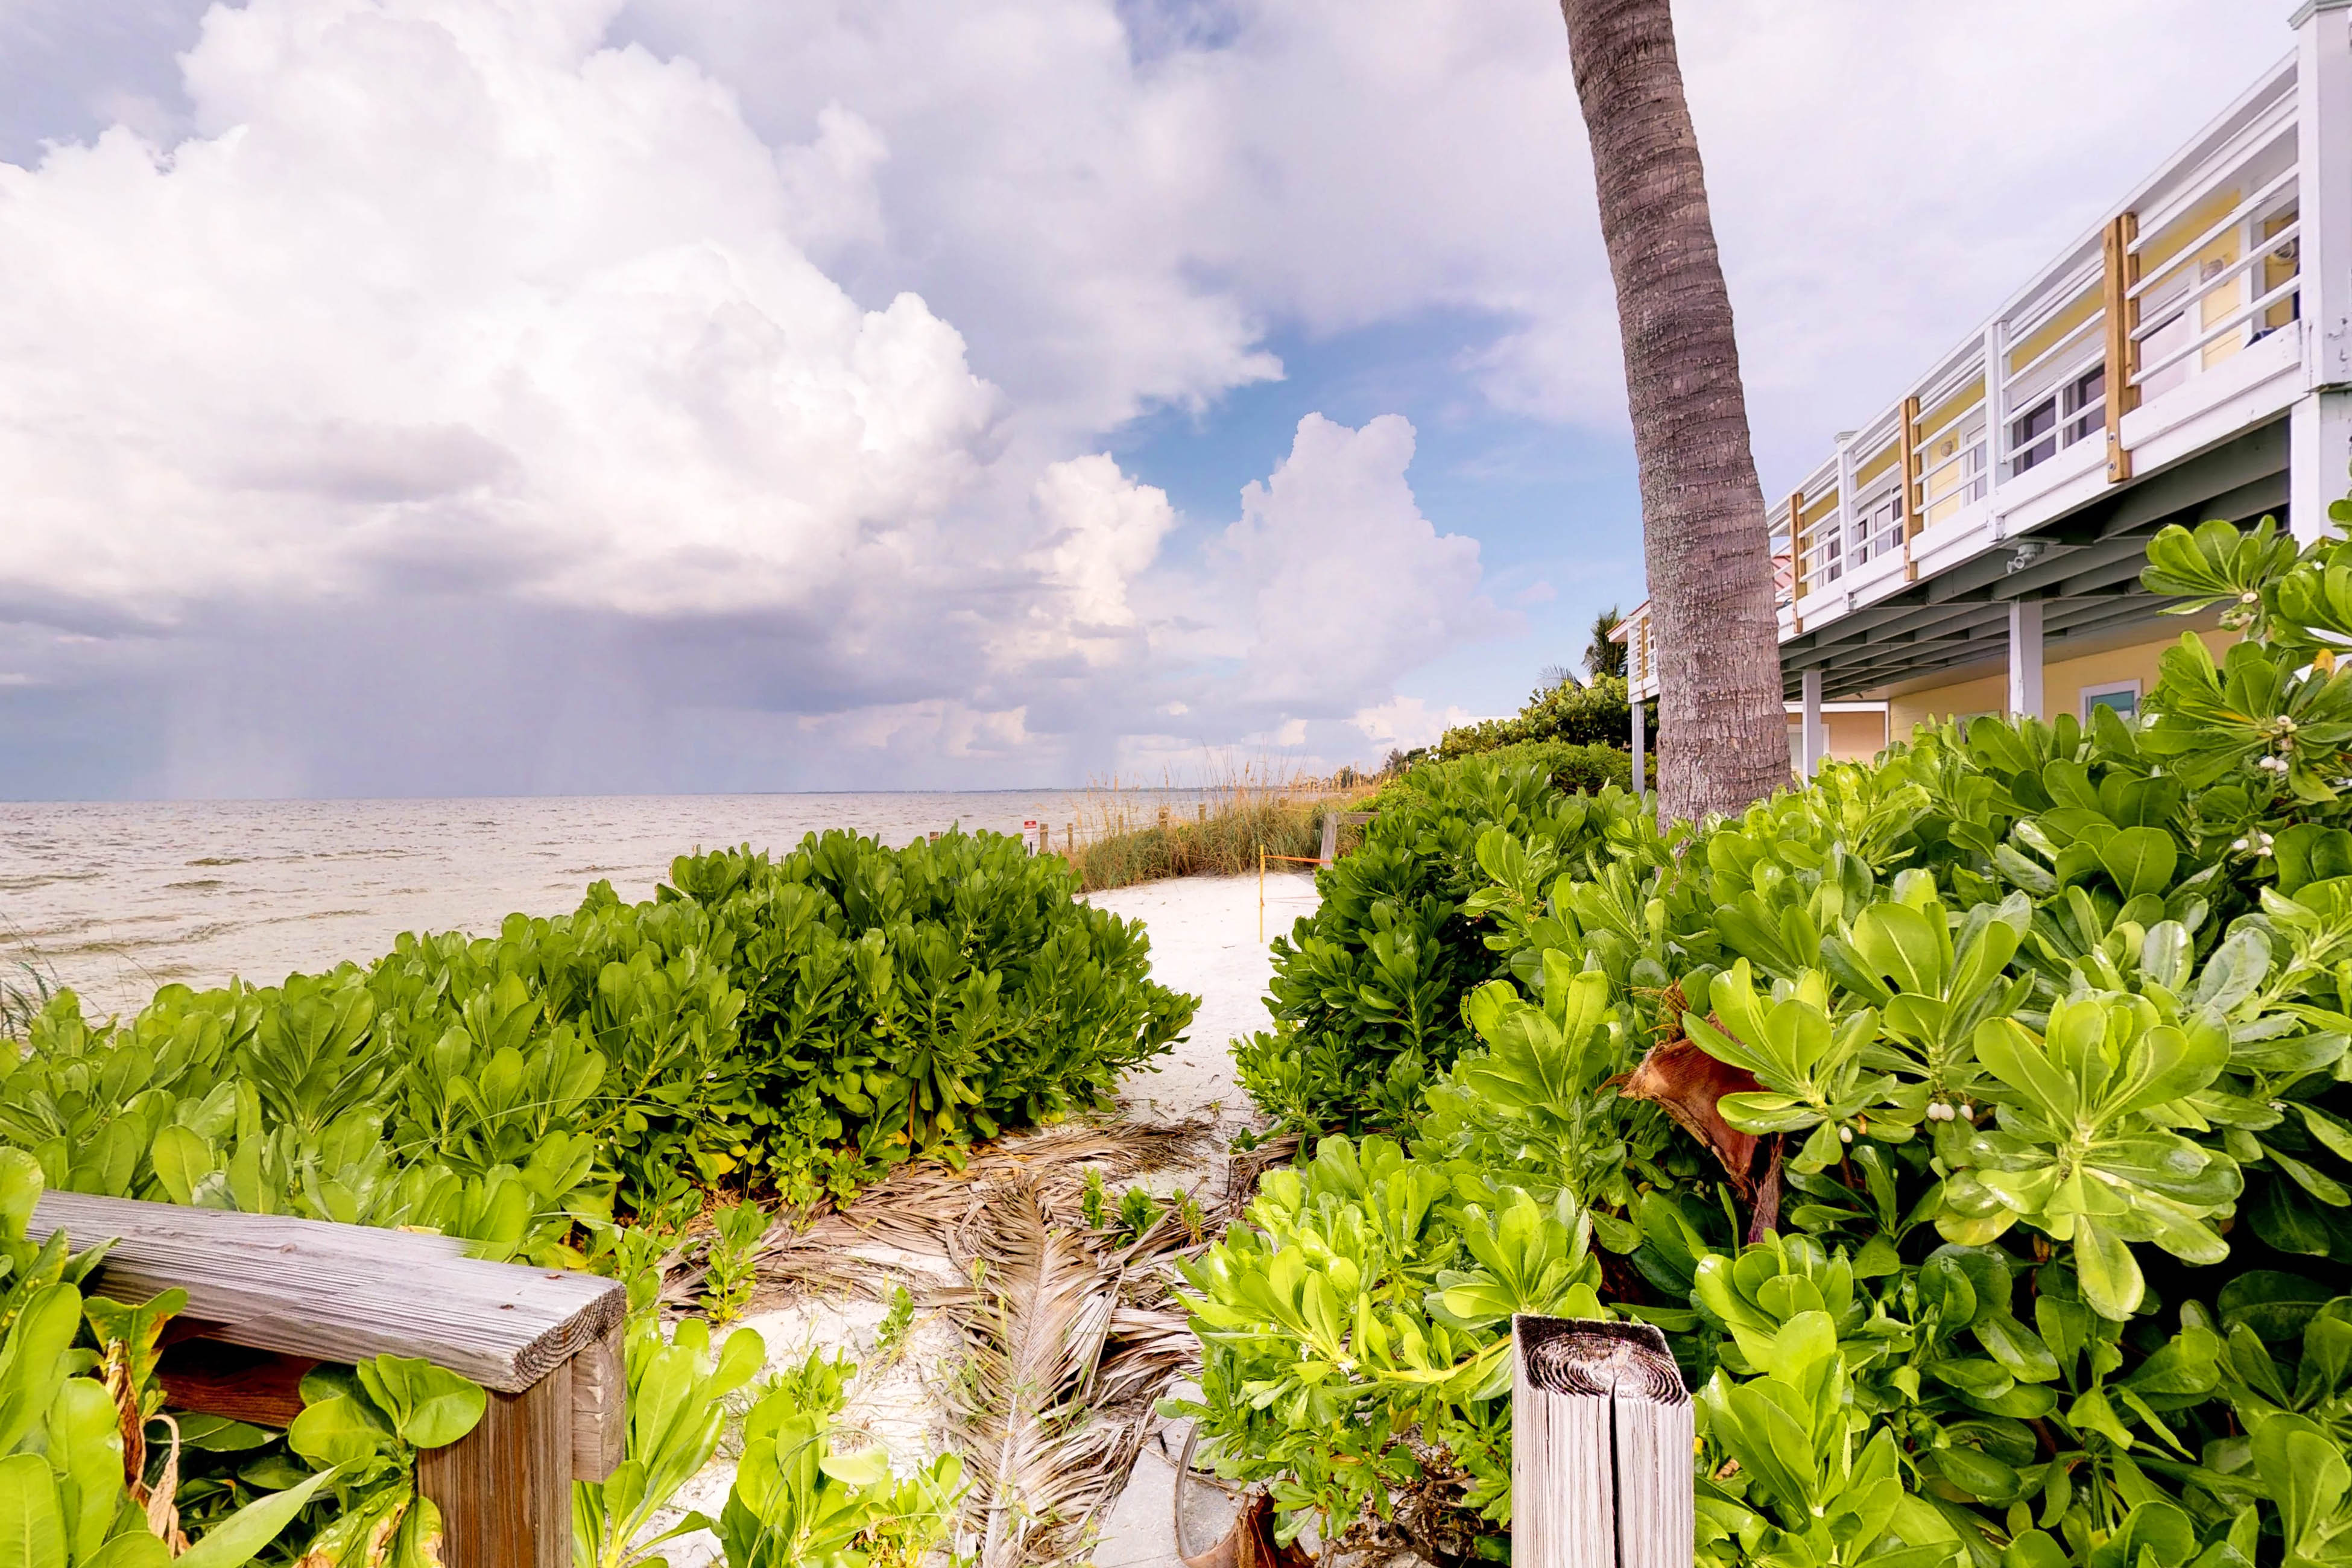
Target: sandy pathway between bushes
x,y
1206,941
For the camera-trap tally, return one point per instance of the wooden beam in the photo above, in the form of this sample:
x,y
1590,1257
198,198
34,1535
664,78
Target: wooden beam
x,y
342,1292
505,1488
213,1379
2122,272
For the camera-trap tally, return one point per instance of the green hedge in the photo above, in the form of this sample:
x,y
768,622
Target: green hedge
x,y
790,1026
1367,991
1977,1123
1568,714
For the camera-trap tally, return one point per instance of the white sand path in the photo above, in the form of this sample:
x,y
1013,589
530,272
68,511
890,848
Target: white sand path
x,y
1205,935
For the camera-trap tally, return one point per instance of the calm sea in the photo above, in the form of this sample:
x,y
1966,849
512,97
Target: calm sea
x,y
115,900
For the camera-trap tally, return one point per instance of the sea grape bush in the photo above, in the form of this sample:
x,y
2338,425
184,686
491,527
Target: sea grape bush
x,y
1367,991
790,1026
1976,1124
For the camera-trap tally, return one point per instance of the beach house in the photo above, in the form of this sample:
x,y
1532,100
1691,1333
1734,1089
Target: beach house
x,y
1975,547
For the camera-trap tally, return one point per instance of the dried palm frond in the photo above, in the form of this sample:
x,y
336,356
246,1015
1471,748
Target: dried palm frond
x,y
1061,1374
927,1210
1244,1168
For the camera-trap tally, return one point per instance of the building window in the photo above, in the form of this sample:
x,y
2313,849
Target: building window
x,y
2123,695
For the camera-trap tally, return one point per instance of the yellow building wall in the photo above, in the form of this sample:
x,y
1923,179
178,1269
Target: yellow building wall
x,y
2063,681
1853,737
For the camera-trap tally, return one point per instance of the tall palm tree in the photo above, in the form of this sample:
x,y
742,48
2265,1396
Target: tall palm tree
x,y
1722,728
1602,656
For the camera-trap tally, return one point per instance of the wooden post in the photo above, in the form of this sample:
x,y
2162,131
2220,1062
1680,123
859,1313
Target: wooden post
x,y
270,1297
1602,1441
2122,271
1911,474
1330,850
1798,586
505,1488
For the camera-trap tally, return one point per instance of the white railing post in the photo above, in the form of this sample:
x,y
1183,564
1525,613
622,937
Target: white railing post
x,y
2319,431
1849,520
1996,352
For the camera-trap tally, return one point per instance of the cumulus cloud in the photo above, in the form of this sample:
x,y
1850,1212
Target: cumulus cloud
x,y
1342,582
428,286
1405,723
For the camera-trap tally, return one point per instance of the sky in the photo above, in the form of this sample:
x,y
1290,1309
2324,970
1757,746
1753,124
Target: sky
x,y
430,398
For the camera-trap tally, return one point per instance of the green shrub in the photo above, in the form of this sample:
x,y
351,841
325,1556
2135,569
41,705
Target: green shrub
x,y
1367,991
1976,1122
795,1026
1565,713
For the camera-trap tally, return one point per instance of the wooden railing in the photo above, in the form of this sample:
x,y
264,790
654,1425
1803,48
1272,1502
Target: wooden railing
x,y
269,1298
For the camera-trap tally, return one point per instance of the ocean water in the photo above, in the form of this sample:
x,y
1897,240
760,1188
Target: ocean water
x,y
117,898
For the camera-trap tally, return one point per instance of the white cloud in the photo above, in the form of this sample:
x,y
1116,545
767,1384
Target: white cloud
x,y
1406,721
1343,583
446,291
1104,528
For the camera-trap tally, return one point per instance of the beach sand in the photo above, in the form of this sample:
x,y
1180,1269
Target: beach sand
x,y
1205,935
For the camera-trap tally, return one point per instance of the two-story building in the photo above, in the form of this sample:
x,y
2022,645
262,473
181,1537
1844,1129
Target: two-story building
x,y
1976,546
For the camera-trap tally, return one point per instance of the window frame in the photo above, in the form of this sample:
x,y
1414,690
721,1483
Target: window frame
x,y
2084,698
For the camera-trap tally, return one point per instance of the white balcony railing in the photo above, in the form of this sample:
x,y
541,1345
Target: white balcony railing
x,y
2201,265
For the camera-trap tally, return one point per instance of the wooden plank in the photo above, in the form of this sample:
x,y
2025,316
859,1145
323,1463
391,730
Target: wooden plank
x,y
599,1409
505,1488
2122,272
1797,581
1915,501
215,1379
1602,1437
342,1293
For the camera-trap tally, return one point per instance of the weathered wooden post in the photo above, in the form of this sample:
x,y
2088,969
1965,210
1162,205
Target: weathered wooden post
x,y
270,1297
1603,1444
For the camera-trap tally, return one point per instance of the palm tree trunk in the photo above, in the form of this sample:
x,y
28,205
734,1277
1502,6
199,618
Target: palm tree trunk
x,y
1722,726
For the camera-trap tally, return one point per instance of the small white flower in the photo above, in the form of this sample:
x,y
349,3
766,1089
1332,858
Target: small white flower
x,y
1845,1134
2249,597
1968,1113
2238,844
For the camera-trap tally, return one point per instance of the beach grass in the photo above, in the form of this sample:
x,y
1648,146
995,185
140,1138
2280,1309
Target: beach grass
x,y
1127,835
25,986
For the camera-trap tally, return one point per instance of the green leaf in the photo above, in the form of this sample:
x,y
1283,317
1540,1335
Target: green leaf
x,y
2110,1277
2140,860
237,1540
32,1529
429,1409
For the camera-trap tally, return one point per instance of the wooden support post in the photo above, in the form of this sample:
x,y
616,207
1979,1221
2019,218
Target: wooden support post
x,y
1913,499
505,1488
1798,585
1330,850
2122,272
1602,1445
